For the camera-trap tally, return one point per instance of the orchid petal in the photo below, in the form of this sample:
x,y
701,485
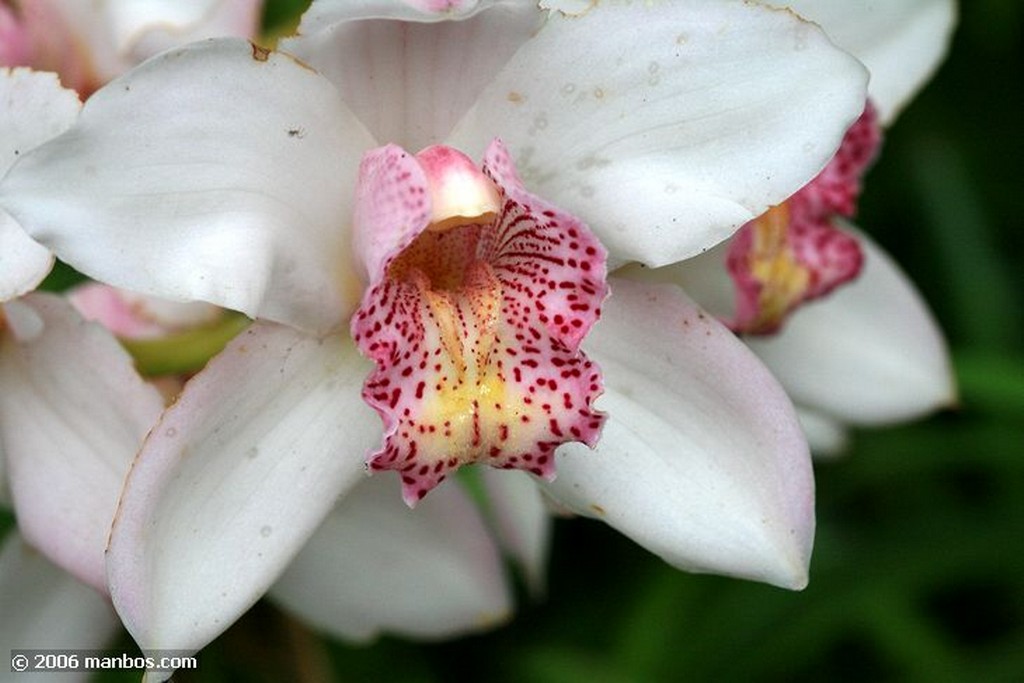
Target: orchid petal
x,y
376,566
70,38
43,607
15,40
474,327
521,520
901,42
666,126
24,263
412,81
33,109
238,473
827,437
391,209
702,460
136,316
5,487
219,172
144,27
326,13
73,413
886,360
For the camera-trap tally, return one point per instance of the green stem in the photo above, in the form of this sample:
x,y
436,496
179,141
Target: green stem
x,y
184,352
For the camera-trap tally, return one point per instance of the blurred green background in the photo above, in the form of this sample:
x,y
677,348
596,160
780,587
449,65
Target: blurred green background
x,y
918,571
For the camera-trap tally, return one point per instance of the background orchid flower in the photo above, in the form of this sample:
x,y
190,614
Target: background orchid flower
x,y
87,44
869,352
244,198
73,413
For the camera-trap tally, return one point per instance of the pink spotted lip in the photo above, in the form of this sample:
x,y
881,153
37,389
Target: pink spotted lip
x,y
480,295
793,253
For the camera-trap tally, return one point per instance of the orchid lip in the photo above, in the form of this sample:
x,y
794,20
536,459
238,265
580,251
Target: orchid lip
x,y
474,316
793,253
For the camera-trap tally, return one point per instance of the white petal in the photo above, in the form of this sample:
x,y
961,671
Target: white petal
x,y
666,126
326,13
33,109
376,566
411,81
233,480
703,277
145,27
73,414
827,437
901,42
868,354
23,262
5,488
522,521
216,172
43,607
702,460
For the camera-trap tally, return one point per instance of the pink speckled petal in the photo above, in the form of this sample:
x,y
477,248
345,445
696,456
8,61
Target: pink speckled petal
x,y
554,263
475,330
702,461
782,260
392,208
836,189
793,253
375,566
73,414
869,354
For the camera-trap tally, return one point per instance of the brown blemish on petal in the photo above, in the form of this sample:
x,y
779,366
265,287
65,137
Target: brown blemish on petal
x,y
515,97
260,54
597,509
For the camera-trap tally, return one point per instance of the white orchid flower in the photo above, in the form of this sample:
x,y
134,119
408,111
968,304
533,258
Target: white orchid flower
x,y
230,174
867,352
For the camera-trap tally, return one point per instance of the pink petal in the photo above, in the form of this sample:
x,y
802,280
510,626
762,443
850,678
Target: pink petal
x,y
793,253
475,329
73,413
